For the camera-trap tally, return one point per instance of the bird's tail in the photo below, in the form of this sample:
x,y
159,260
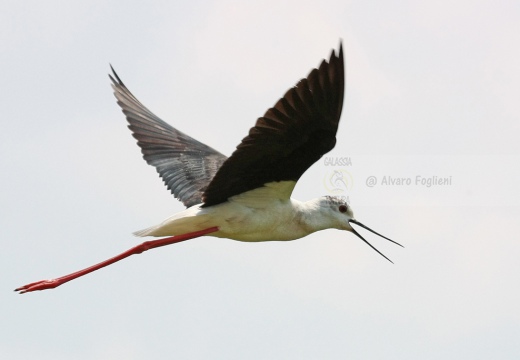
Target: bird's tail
x,y
187,221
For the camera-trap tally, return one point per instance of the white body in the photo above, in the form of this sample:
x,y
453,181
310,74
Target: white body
x,y
263,214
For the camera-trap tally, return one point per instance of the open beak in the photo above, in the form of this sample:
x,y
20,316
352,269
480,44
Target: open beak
x,y
372,231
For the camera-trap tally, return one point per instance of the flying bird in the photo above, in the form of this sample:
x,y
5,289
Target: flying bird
x,y
246,196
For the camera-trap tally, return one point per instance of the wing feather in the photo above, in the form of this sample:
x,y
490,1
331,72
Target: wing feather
x,y
291,136
185,164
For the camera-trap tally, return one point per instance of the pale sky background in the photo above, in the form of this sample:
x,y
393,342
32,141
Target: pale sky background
x,y
433,89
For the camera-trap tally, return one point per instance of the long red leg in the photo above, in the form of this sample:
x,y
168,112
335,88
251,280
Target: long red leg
x,y
147,245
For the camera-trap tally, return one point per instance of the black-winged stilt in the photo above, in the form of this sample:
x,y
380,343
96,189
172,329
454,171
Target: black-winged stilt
x,y
247,196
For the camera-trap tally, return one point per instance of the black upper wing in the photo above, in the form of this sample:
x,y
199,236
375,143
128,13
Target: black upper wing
x,y
185,164
289,138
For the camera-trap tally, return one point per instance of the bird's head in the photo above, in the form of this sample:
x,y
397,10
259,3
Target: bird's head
x,y
341,216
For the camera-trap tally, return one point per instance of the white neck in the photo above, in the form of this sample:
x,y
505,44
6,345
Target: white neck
x,y
312,216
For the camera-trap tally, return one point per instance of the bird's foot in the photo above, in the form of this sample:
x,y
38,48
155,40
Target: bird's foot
x,y
39,285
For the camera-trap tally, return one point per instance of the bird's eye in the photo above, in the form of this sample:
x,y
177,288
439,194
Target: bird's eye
x,y
342,208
